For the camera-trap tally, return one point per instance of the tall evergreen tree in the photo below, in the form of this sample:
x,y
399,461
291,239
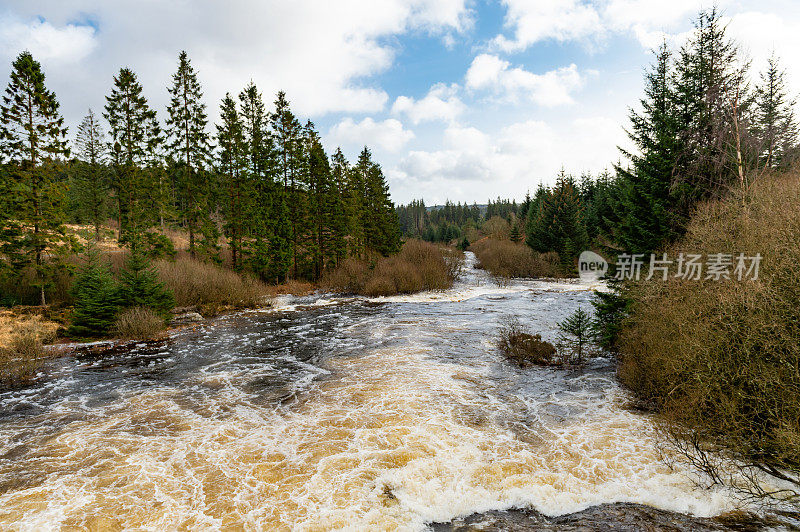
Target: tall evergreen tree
x,y
32,139
134,143
647,210
774,121
92,178
188,144
232,164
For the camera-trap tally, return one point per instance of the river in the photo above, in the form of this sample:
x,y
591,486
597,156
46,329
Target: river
x,y
334,413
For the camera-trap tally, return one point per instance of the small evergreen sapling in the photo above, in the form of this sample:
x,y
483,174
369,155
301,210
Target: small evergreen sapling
x,y
576,335
96,296
140,286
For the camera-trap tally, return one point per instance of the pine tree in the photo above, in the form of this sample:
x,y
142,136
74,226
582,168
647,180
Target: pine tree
x,y
576,334
188,144
516,234
96,297
135,140
558,221
140,287
92,178
336,208
774,121
280,249
32,140
711,102
286,132
648,210
378,219
231,163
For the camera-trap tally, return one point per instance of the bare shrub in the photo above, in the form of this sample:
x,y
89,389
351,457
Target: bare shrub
x,y
195,283
138,323
505,259
720,359
525,348
418,266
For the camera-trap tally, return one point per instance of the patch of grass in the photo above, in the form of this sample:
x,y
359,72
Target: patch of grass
x,y
200,284
138,323
720,360
418,266
525,348
21,347
505,260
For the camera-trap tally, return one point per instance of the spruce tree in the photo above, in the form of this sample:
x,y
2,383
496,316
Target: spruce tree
x,y
32,140
92,177
287,134
516,234
648,210
231,164
188,144
97,298
140,287
134,143
774,120
336,208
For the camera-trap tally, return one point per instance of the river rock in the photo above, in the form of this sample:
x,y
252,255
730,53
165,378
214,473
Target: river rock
x,y
187,318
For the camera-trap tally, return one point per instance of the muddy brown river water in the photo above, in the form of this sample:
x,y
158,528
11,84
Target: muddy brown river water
x,y
338,413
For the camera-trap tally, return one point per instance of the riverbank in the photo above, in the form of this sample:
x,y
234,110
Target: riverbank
x,y
719,358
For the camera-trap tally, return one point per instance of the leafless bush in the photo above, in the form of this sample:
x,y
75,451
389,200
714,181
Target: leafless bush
x,y
505,260
525,348
138,323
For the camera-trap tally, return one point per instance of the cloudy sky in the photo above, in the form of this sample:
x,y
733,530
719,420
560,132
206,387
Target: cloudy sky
x,y
458,99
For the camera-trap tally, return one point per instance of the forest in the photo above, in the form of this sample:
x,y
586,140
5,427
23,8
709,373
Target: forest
x,y
260,186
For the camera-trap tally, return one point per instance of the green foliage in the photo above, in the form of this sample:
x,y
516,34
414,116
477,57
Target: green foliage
x,y
97,298
91,182
610,310
140,287
32,141
187,142
556,224
576,335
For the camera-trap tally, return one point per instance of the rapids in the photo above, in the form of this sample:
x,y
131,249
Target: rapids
x,y
335,413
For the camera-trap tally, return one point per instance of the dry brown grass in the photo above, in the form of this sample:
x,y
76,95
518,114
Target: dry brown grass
x,y
418,266
721,359
21,347
212,287
505,260
138,323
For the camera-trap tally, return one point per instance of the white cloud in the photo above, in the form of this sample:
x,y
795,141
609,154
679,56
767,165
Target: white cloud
x,y
388,134
489,72
320,52
68,43
581,20
473,164
546,19
441,103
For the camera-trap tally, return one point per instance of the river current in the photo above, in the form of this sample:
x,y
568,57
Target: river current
x,y
328,413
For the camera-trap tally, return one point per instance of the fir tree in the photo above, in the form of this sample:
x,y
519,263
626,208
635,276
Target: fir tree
x,y
231,163
774,121
188,144
135,139
647,210
32,140
140,287
576,334
96,297
92,178
516,234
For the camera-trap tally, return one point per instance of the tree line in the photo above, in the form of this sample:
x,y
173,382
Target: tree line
x,y
260,180
702,128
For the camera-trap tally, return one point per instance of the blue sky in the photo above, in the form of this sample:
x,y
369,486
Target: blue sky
x,y
458,99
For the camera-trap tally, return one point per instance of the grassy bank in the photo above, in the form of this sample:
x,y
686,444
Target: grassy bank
x,y
418,266
720,360
21,351
505,260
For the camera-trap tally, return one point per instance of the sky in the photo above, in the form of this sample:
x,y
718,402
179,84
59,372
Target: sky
x,y
457,99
